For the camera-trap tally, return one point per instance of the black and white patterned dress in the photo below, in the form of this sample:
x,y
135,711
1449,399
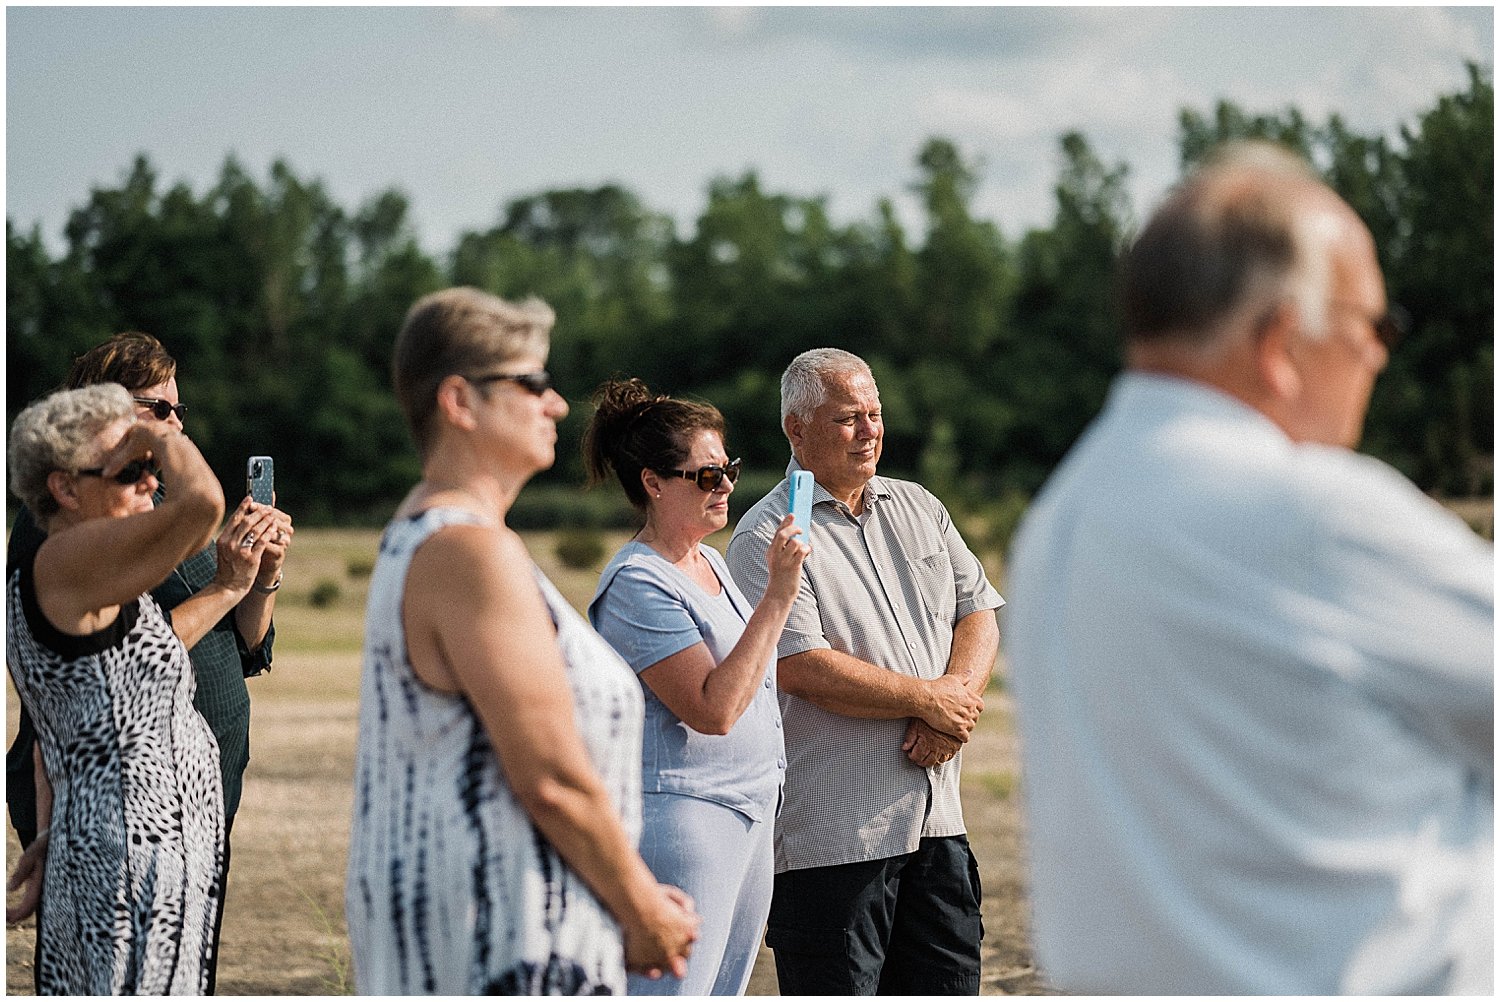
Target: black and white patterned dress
x,y
133,872
451,888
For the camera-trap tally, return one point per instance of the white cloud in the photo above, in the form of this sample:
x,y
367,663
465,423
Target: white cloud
x,y
467,108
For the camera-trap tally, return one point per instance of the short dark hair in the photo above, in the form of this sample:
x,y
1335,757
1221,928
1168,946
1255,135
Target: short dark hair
x,y
1218,242
633,429
134,360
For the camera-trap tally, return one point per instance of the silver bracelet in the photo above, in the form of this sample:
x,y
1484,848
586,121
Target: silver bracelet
x,y
261,589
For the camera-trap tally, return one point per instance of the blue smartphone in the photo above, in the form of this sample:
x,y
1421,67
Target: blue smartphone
x,y
799,503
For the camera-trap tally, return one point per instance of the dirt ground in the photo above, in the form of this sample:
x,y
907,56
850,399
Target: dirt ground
x,y
284,930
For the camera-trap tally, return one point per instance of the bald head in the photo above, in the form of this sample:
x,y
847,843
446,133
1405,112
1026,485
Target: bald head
x,y
1255,278
1250,230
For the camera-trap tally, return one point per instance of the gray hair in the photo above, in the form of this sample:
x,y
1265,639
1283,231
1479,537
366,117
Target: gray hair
x,y
804,384
1241,232
59,432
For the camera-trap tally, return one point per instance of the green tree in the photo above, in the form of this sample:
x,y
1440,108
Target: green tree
x,y
1433,413
1067,346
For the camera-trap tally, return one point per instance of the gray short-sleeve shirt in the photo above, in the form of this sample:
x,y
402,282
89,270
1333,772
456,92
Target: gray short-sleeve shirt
x,y
887,587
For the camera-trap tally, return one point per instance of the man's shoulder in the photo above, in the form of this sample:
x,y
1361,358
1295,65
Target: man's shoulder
x,y
910,495
763,516
907,490
1352,496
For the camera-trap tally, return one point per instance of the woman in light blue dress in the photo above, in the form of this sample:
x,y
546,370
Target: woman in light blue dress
x,y
496,809
713,757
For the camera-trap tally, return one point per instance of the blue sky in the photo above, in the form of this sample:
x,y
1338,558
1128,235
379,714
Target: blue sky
x,y
466,108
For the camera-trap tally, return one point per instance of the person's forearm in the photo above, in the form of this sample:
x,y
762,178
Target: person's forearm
x,y
196,498
976,643
843,684
193,617
577,818
43,789
730,688
253,617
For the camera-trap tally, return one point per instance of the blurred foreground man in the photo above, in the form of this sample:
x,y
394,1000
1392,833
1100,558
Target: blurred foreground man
x,y
1254,669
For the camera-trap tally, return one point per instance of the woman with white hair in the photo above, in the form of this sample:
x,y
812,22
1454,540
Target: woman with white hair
x,y
130,848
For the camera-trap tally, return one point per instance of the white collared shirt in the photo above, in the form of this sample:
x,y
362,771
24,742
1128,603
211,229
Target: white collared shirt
x,y
1255,684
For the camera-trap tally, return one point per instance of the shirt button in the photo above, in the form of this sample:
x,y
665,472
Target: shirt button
x,y
768,683
780,764
911,645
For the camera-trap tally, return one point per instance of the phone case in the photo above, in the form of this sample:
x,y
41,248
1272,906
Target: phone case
x,y
800,502
260,479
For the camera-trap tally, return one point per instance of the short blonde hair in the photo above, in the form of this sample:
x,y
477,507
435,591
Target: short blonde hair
x,y
460,331
58,432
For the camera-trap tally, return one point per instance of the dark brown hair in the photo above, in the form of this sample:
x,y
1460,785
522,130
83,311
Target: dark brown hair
x,y
134,360
634,429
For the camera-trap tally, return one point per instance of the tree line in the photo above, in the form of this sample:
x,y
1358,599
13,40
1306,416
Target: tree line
x,y
991,353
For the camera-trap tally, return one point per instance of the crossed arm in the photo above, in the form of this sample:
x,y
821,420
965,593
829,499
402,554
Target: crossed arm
x,y
943,710
976,641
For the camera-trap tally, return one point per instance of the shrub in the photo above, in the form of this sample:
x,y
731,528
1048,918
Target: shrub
x,y
580,549
324,593
360,566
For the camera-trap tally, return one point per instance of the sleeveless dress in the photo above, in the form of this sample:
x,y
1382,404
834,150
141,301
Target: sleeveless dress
x,y
134,861
451,889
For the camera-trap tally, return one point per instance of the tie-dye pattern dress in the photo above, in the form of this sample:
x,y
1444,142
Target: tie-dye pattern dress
x,y
451,888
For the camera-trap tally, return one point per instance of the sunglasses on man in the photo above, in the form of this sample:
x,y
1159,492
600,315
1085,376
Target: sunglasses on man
x,y
708,478
162,409
536,383
132,472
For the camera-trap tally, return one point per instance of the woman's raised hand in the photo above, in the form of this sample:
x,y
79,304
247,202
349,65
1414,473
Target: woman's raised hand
x,y
784,559
245,537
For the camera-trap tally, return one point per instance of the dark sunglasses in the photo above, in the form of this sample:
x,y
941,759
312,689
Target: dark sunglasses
x,y
1392,326
537,383
708,478
162,409
132,472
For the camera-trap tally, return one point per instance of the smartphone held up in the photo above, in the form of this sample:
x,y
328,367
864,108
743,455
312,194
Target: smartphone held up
x,y
799,503
260,479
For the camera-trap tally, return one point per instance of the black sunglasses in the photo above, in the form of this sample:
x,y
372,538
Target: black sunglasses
x,y
532,382
162,409
132,472
1390,327
708,478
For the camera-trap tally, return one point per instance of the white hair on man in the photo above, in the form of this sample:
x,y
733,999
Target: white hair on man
x,y
804,384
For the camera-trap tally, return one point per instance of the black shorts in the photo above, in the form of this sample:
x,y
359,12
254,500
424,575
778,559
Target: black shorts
x,y
905,925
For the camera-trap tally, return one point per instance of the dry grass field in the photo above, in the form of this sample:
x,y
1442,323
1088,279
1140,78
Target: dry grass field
x,y
284,925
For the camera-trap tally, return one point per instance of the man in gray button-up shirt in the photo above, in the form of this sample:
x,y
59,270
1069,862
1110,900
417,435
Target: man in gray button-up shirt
x,y
881,669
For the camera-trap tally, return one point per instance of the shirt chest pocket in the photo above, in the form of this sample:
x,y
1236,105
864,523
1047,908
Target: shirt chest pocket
x,y
932,577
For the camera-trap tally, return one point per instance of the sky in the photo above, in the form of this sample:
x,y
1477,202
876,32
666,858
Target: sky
x,y
466,108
